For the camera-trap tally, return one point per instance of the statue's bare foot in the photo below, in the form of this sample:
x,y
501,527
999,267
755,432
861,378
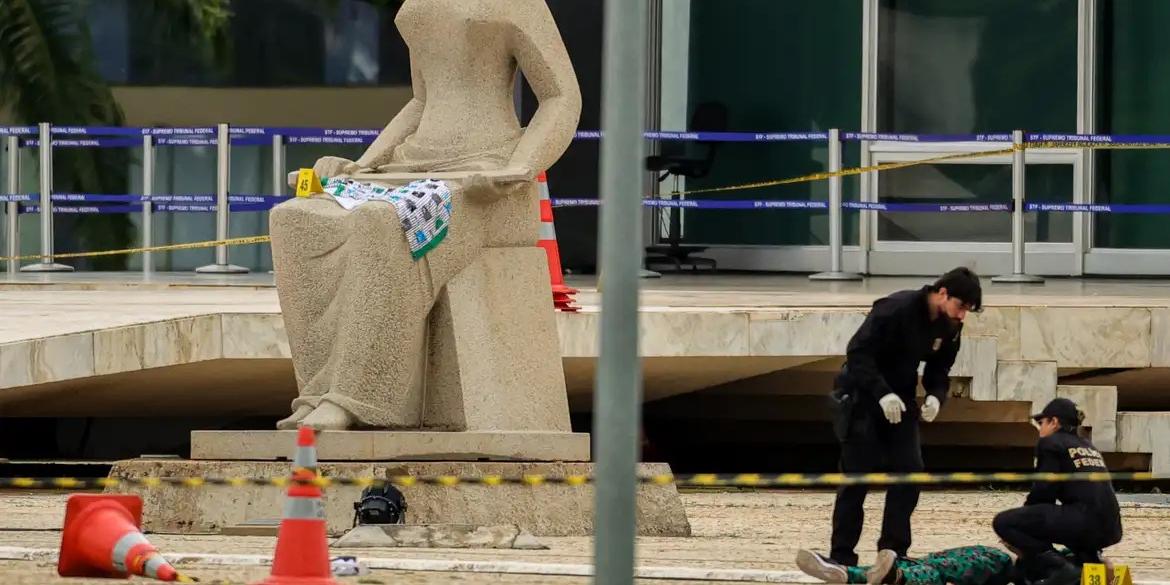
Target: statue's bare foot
x,y
290,423
328,417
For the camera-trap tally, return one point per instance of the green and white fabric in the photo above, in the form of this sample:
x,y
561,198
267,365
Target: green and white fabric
x,y
423,207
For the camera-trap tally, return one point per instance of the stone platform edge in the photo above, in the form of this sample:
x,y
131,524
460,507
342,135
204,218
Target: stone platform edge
x,y
543,510
395,446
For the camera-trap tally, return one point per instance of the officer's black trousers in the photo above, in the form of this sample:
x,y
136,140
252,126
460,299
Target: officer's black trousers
x,y
873,444
1033,530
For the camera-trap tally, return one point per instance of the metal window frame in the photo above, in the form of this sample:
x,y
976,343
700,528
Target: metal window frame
x,y
881,257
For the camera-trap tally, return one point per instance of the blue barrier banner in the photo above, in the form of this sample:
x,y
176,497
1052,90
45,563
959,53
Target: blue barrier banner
x,y
165,208
1151,208
370,133
1101,138
185,141
705,203
893,137
928,207
797,204
136,198
717,136
131,131
86,143
250,140
18,130
329,139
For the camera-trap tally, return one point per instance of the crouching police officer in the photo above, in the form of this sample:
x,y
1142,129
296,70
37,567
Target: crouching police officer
x,y
877,411
1086,520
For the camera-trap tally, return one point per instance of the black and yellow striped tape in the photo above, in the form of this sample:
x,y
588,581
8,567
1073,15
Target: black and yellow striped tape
x,y
691,480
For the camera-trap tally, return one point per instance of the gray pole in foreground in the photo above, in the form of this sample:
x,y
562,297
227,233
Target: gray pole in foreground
x,y
618,390
1018,275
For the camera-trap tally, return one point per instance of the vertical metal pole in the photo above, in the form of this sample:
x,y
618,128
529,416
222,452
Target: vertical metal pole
x,y
46,185
147,204
1018,274
618,391
836,237
279,178
222,182
12,210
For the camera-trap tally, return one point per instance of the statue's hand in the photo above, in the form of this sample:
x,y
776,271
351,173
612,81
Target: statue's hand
x,y
329,167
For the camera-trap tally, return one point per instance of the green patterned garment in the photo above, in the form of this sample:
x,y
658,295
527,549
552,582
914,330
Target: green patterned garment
x,y
968,565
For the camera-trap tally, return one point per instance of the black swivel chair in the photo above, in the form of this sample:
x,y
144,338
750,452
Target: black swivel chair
x,y
678,159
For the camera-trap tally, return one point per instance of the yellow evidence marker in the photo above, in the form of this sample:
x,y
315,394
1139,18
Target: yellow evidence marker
x,y
1093,574
308,183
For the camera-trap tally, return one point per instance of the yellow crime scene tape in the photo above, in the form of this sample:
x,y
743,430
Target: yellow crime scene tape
x,y
533,480
162,248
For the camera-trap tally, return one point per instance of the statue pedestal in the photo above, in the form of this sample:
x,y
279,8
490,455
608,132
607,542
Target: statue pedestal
x,y
543,510
394,446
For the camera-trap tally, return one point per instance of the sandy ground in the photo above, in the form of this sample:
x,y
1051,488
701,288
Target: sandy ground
x,y
761,530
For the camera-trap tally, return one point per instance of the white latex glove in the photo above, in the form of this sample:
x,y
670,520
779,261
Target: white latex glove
x,y
930,409
893,407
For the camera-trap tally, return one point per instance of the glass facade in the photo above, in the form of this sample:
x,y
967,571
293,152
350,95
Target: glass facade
x,y
268,43
973,184
975,66
1133,90
776,66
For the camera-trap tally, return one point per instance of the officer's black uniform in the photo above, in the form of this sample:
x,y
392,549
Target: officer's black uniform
x,y
883,357
1086,520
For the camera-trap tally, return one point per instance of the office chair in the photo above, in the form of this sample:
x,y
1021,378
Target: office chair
x,y
676,161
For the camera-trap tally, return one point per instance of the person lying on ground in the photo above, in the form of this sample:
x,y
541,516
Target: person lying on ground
x,y
967,565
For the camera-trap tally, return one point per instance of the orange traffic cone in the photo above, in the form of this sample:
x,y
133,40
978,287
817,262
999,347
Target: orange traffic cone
x,y
562,295
302,552
102,539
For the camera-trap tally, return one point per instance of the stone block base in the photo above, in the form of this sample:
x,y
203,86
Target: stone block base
x,y
395,445
545,510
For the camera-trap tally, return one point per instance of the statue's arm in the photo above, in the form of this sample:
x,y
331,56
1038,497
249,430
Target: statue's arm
x,y
404,124
537,46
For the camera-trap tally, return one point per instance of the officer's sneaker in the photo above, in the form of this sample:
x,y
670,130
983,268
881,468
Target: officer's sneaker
x,y
883,569
823,568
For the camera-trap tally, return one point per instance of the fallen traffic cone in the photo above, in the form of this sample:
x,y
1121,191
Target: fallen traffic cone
x,y
562,295
102,539
302,552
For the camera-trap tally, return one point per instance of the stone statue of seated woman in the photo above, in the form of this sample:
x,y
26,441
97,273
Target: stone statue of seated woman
x,y
357,304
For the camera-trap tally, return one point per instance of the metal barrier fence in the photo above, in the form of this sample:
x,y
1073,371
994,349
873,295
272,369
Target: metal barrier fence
x,y
46,138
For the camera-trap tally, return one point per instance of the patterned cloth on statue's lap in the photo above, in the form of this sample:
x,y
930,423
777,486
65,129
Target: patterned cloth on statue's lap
x,y
423,207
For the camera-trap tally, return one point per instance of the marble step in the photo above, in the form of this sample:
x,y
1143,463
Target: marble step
x,y
1146,432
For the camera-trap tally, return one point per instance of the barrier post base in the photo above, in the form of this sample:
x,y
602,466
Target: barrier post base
x,y
1017,279
221,269
46,267
835,276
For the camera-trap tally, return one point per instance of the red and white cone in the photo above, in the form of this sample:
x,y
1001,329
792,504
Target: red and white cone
x,y
562,295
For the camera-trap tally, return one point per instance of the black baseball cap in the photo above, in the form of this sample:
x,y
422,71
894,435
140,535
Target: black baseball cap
x,y
1062,409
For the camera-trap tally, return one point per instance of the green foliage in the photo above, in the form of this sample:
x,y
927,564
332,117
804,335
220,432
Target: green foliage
x,y
48,74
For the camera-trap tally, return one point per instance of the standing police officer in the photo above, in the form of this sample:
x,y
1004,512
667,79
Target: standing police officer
x,y
877,412
1087,519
